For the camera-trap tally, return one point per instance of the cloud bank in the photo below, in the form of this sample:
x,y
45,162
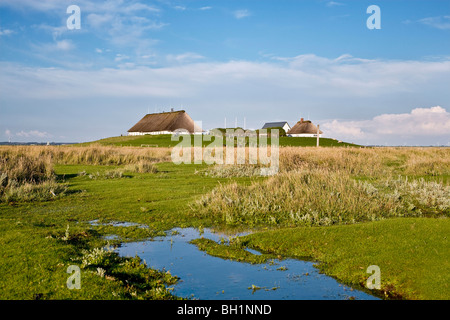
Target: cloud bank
x,y
416,127
340,94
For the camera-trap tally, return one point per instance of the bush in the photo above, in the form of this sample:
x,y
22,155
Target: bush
x,y
27,177
43,191
310,197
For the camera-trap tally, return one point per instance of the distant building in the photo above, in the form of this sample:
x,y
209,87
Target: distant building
x,y
304,128
164,123
282,124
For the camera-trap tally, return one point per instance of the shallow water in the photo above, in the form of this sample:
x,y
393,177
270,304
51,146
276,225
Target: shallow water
x,y
118,224
207,278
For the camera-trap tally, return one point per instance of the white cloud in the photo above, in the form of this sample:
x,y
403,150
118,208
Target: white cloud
x,y
420,123
442,23
239,14
119,57
33,134
6,32
344,76
117,6
64,45
51,47
334,4
122,22
345,87
184,57
42,5
205,8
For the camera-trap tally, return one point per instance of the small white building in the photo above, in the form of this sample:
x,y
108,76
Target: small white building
x,y
282,124
304,128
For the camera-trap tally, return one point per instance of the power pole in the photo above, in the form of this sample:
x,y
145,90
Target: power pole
x,y
318,133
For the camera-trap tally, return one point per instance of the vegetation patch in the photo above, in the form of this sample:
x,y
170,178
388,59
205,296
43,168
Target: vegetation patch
x,y
314,198
231,251
139,281
339,193
24,177
412,253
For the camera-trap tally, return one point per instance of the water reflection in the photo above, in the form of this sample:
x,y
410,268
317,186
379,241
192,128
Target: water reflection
x,y
206,277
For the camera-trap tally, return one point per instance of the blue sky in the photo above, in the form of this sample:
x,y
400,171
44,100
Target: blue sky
x,y
259,60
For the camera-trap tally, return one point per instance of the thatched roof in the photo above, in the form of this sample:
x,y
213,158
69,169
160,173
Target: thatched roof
x,y
304,126
165,121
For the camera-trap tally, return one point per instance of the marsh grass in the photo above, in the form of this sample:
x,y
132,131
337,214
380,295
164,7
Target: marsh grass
x,y
428,196
89,155
306,197
26,173
141,281
48,190
102,155
231,171
372,162
22,167
318,186
142,166
25,177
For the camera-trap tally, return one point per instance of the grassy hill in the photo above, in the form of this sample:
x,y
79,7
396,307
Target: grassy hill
x,y
165,141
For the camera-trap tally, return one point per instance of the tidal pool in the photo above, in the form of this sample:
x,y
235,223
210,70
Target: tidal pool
x,y
206,277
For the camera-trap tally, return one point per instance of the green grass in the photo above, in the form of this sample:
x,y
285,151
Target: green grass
x,y
40,239
233,251
165,141
34,258
413,253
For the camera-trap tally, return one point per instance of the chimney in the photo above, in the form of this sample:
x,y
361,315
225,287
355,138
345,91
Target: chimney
x,y
171,109
301,120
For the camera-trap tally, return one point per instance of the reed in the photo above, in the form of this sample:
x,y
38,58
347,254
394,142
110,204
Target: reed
x,y
90,155
27,177
23,167
304,197
324,186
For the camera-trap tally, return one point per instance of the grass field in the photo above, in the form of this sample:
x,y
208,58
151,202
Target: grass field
x,y
346,208
165,140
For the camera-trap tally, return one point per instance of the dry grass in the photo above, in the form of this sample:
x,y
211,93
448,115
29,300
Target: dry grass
x,y
24,167
303,197
373,162
369,161
349,160
27,177
26,172
101,155
91,155
323,186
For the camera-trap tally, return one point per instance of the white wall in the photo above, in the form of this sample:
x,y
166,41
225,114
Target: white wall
x,y
152,133
311,135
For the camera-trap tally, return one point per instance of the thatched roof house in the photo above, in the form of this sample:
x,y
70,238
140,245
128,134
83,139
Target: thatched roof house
x,y
304,128
164,123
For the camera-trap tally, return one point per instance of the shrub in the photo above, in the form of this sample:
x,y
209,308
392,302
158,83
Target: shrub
x,y
26,177
305,197
142,166
43,191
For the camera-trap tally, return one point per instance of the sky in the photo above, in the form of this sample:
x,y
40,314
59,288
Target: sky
x,y
249,62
